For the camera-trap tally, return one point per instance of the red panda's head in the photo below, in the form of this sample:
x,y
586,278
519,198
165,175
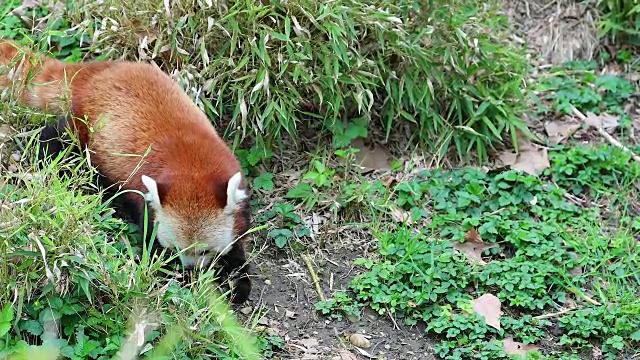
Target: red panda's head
x,y
196,213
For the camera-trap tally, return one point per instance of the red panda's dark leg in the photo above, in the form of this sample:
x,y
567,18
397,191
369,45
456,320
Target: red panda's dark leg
x,y
236,261
54,139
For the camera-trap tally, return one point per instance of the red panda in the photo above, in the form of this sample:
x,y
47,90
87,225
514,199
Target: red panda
x,y
192,180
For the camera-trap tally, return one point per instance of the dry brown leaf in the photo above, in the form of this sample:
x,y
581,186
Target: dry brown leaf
x,y
308,344
246,310
473,250
560,130
473,235
313,223
488,306
289,314
371,156
508,158
389,180
605,121
517,348
532,159
30,4
5,130
400,215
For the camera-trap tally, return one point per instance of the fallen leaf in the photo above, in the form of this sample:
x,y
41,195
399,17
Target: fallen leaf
x,y
473,249
605,121
246,310
596,353
290,314
30,4
5,130
364,353
488,306
371,156
532,159
473,235
308,345
400,215
508,158
313,223
560,130
389,181
517,348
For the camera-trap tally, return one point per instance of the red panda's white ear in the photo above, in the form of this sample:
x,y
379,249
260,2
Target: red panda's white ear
x,y
234,193
152,186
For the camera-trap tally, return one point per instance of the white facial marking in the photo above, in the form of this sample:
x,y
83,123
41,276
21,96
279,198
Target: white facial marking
x,y
234,194
152,195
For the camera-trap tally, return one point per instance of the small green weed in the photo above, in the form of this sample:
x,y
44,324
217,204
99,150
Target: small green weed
x,y
593,172
576,84
288,224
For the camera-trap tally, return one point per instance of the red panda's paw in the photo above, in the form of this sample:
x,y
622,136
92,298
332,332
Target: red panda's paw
x,y
241,290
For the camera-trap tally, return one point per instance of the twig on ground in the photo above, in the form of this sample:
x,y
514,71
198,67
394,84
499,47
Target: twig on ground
x,y
550,4
314,276
606,135
547,316
574,199
395,324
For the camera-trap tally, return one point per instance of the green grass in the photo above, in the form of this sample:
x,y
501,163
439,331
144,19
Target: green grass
x,y
69,264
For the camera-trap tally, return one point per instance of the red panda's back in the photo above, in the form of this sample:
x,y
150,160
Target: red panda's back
x,y
133,106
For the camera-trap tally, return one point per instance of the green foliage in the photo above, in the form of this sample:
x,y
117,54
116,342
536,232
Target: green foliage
x,y
271,344
264,182
621,19
576,84
342,301
58,37
445,68
584,170
288,224
421,277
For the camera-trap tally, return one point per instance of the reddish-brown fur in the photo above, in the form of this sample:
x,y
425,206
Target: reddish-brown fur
x,y
189,161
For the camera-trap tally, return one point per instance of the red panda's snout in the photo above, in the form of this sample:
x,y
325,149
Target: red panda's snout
x,y
199,217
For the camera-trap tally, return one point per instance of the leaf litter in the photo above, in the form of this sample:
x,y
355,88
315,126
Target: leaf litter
x,y
473,247
488,306
604,121
371,156
532,158
517,348
561,129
